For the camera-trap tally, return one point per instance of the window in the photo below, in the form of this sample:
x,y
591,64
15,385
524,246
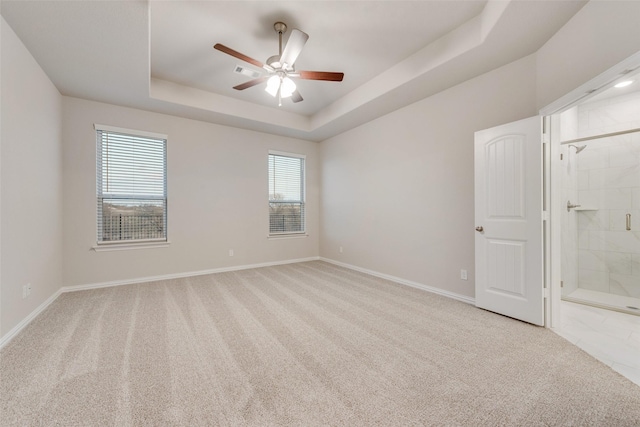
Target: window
x,y
131,186
286,193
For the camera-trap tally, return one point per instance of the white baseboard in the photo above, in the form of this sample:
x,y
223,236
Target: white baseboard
x,y
417,285
182,275
20,326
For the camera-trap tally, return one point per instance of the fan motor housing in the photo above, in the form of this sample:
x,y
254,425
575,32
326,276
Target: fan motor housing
x,y
280,27
274,61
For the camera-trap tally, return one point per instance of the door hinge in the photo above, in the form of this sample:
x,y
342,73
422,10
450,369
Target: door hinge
x,y
562,283
546,293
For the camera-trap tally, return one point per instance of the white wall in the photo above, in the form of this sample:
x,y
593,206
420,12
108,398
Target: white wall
x,y
601,35
217,197
31,183
397,193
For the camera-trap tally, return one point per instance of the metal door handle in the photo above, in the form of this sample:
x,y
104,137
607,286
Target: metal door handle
x,y
628,222
479,229
571,206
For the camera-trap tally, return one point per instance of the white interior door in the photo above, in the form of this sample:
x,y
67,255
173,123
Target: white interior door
x,y
508,214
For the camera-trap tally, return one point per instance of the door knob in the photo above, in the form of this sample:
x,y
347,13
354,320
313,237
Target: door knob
x,y
479,229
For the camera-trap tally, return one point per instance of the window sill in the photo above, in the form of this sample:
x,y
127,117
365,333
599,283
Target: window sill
x,y
287,236
128,246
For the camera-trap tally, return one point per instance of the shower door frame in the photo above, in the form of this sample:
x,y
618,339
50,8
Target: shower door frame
x,y
551,114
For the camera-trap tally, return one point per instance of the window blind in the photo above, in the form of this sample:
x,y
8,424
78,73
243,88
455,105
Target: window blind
x,y
131,187
286,194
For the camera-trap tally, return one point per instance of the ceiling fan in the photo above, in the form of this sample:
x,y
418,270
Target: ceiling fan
x,y
280,68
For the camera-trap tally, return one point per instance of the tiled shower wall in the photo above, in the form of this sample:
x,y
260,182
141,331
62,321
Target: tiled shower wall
x,y
608,184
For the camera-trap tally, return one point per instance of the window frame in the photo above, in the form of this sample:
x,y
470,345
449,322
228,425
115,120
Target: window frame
x,y
109,245
303,192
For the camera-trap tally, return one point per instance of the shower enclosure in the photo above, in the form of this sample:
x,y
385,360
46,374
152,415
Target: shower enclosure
x,y
601,187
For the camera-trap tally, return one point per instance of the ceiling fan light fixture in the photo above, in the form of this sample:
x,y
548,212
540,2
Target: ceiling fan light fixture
x,y
280,68
287,88
272,85
284,84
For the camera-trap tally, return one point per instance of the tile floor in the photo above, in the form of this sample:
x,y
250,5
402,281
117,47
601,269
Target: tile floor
x,y
609,336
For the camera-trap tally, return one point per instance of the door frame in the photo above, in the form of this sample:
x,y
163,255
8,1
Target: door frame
x,y
552,169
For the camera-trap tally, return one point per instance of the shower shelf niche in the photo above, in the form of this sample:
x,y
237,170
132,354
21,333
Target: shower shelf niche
x,y
585,208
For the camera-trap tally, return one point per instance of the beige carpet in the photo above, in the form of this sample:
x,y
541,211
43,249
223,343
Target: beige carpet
x,y
304,344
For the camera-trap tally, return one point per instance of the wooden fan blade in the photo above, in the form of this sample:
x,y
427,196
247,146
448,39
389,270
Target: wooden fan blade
x,y
296,97
251,83
235,53
319,75
294,46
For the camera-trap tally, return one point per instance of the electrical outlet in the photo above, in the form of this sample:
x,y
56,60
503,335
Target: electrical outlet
x,y
26,290
340,249
463,274
230,252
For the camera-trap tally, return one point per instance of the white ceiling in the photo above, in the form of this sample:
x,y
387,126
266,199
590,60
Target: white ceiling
x,y
159,55
361,48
